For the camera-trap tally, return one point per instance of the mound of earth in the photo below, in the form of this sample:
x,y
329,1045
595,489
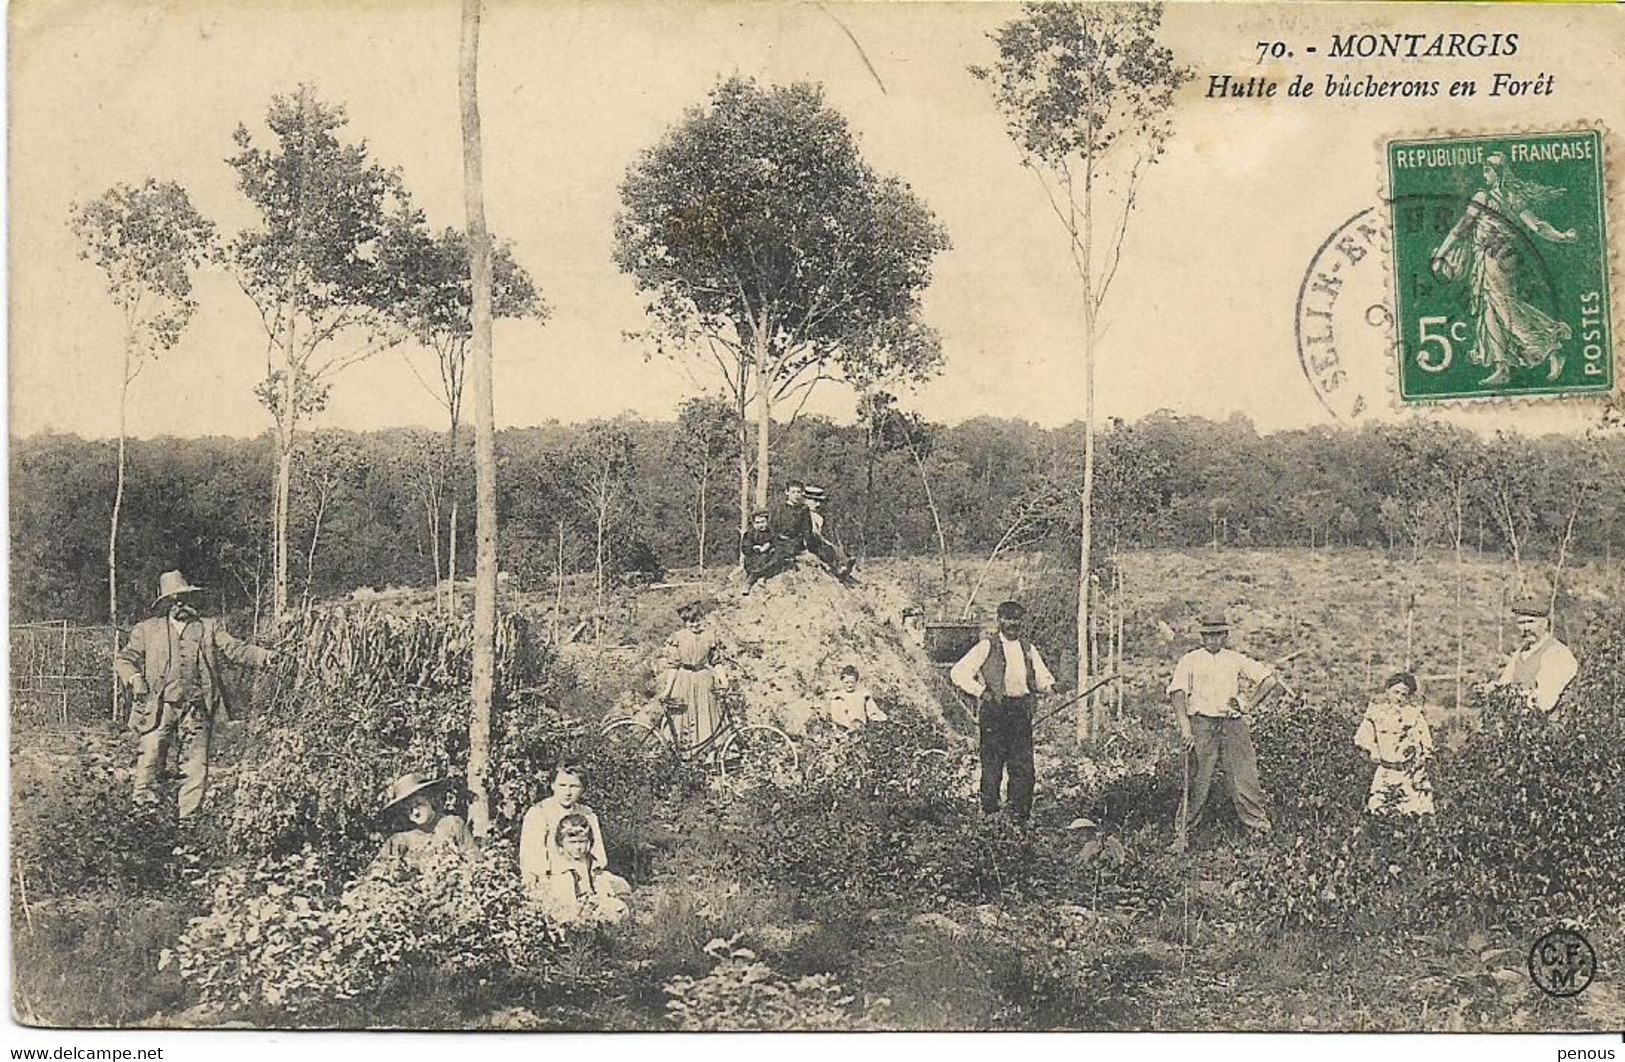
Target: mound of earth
x,y
792,635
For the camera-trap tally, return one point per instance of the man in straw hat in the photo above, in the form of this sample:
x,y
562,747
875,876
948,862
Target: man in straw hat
x,y
1213,690
1005,672
171,663
1541,666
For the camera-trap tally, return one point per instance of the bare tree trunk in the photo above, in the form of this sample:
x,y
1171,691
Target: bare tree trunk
x,y
1563,549
310,554
936,521
558,592
1461,605
112,533
704,482
485,477
598,582
764,410
451,562
742,425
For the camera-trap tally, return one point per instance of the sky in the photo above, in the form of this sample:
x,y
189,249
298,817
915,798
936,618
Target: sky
x,y
1200,319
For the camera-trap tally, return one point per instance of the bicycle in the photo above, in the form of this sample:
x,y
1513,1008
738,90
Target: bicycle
x,y
749,752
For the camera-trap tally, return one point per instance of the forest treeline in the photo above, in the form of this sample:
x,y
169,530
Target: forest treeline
x,y
372,509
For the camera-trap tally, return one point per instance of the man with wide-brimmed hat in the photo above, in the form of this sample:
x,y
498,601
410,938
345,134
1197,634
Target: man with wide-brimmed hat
x,y
1541,666
1214,688
171,663
1005,673
822,541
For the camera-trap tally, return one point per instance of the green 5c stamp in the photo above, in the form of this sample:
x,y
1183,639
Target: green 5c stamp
x,y
1500,251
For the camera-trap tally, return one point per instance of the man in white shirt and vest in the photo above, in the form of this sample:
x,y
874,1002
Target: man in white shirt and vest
x,y
1541,666
172,666
1213,690
1005,673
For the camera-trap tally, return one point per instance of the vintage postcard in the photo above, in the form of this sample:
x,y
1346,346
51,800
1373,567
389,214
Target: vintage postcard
x,y
711,516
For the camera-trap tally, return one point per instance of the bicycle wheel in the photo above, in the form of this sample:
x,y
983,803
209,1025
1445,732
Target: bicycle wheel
x,y
760,753
635,739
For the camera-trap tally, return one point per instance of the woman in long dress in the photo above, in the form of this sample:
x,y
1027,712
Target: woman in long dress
x,y
1486,244
693,661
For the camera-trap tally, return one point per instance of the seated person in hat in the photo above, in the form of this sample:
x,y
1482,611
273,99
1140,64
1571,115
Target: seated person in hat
x,y
851,705
1542,667
541,823
1396,737
579,890
822,541
756,550
415,808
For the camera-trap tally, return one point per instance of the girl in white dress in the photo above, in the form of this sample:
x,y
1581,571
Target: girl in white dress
x,y
1395,735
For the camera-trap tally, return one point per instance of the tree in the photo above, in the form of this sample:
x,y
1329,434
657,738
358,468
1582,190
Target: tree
x,y
772,251
329,466
485,462
435,303
897,429
602,460
1087,95
704,439
146,239
312,267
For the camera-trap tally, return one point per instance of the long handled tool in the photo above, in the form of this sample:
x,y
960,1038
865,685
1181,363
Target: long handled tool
x,y
1074,699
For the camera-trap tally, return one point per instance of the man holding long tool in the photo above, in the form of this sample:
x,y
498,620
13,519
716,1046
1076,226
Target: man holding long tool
x,y
1211,708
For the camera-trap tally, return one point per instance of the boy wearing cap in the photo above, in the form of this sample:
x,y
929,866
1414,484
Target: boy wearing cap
x,y
171,663
756,550
1005,672
1214,688
1541,666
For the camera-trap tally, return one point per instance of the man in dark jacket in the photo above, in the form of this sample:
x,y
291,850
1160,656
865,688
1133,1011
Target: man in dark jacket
x,y
172,665
791,523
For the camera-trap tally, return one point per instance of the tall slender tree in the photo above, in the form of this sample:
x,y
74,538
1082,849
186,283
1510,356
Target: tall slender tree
x,y
146,239
485,461
769,248
312,267
435,303
1087,95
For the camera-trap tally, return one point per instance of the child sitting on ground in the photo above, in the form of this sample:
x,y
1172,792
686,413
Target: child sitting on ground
x,y
851,704
1395,735
415,808
537,833
578,890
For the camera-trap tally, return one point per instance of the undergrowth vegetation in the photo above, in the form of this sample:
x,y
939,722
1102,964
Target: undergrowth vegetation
x,y
869,892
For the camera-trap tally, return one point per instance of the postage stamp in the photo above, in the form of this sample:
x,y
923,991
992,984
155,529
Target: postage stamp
x,y
1500,257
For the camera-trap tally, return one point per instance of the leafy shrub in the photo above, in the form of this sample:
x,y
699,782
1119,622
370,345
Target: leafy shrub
x,y
81,832
1531,823
360,697
744,993
276,936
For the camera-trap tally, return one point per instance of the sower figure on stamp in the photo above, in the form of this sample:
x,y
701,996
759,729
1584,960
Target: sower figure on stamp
x,y
1005,672
1485,244
172,665
1211,708
1542,667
